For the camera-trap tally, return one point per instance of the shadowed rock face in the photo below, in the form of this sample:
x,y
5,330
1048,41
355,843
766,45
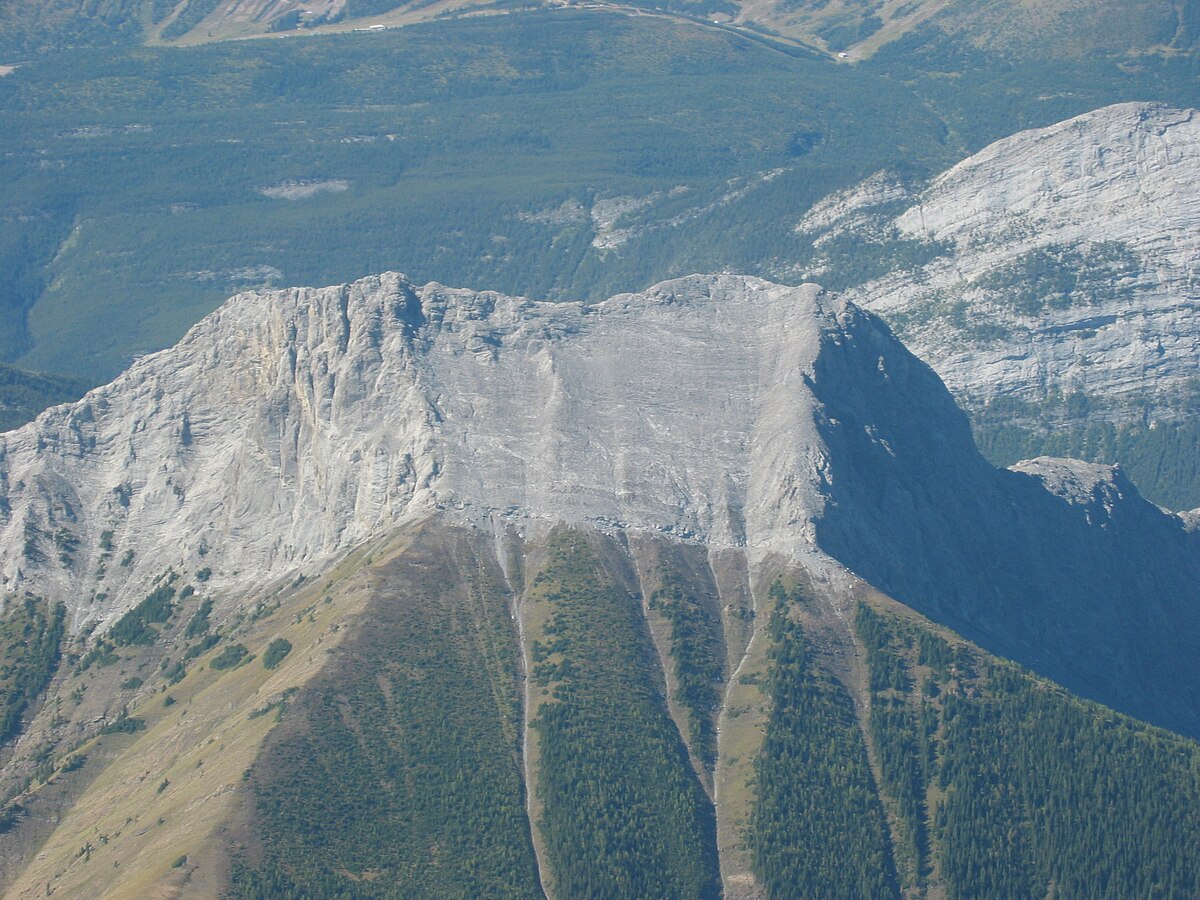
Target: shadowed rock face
x,y
1058,564
288,427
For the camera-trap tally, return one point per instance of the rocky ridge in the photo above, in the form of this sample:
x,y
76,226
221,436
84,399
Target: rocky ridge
x,y
288,427
722,411
1057,260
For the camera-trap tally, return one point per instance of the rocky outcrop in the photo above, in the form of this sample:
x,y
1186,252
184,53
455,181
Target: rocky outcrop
x,y
723,411
288,427
1058,260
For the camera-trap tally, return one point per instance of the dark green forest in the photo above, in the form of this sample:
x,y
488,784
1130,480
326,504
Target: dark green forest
x,y
31,636
398,773
697,653
24,394
1005,785
624,814
818,828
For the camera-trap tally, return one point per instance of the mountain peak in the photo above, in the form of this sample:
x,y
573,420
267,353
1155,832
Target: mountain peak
x,y
291,425
723,411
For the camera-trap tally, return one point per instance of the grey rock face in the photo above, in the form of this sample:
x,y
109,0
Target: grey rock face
x,y
291,426
1060,259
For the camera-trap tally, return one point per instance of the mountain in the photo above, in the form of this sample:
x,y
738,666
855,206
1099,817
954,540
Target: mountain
x,y
1064,28
41,26
1059,260
1049,279
561,153
28,27
367,588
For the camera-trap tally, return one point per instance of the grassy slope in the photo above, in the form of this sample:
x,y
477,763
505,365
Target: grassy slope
x,y
741,727
397,771
111,809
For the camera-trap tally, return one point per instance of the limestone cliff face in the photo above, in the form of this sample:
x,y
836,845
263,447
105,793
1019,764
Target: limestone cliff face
x,y
723,411
288,427
1059,259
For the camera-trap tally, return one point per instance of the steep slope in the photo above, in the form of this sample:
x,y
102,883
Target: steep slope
x,y
1050,280
1057,260
289,427
1044,564
568,534
1065,28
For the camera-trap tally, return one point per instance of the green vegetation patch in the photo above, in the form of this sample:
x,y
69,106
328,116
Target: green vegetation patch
x,y
124,724
818,827
230,657
1060,277
136,626
276,652
398,772
851,258
624,814
698,655
1007,786
30,648
199,623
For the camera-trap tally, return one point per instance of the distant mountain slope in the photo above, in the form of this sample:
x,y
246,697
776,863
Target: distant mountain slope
x,y
1060,28
40,26
1059,260
30,26
1050,277
25,394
